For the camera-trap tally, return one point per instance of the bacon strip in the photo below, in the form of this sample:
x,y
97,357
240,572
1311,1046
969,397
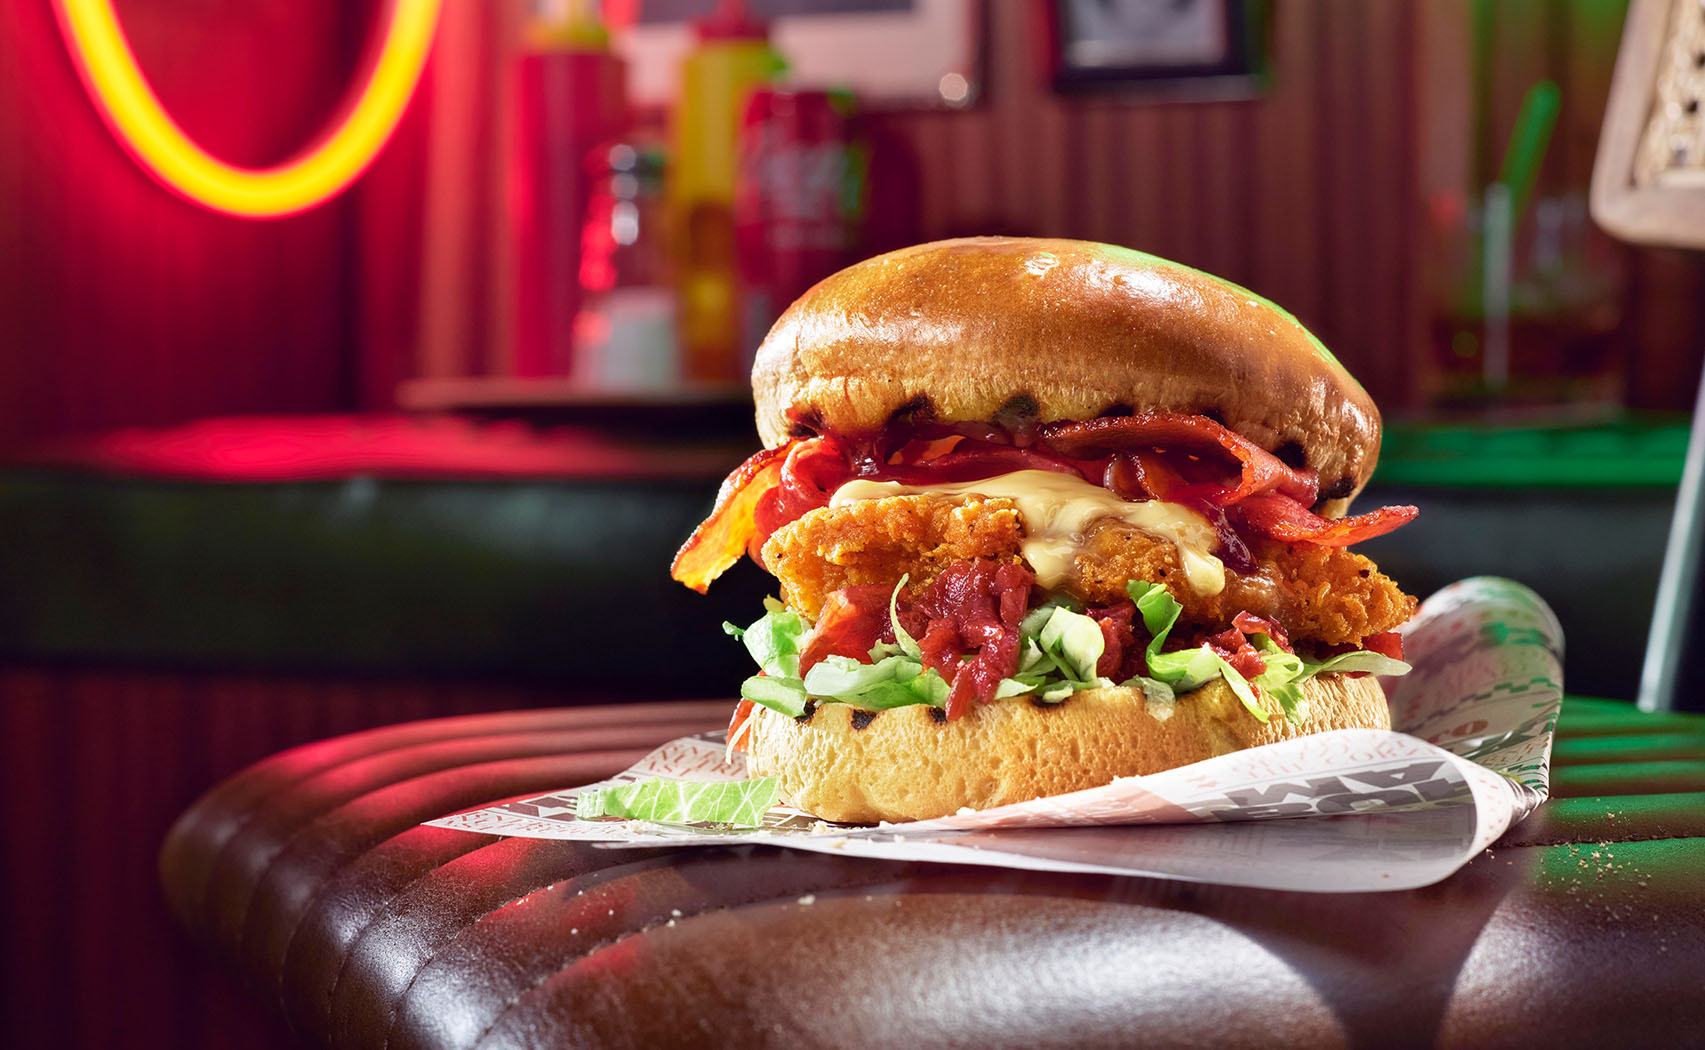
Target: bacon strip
x,y
1284,519
1258,470
970,461
721,538
1390,643
1162,455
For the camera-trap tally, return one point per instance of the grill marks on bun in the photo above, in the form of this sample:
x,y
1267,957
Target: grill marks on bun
x,y
910,763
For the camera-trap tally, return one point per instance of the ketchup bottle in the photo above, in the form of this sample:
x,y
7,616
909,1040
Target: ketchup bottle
x,y
571,97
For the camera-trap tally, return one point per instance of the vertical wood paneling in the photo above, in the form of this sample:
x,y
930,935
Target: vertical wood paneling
x,y
1342,263
121,304
1306,194
1286,155
1058,171
969,139
1391,329
935,155
1145,179
450,280
1218,156
1108,154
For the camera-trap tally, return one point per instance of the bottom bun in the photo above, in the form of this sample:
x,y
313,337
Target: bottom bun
x,y
844,764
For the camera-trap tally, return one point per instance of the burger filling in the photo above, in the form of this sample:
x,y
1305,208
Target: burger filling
x,y
957,565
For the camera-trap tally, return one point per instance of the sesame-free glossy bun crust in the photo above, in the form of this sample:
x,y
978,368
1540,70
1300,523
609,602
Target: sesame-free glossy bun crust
x,y
969,329
904,764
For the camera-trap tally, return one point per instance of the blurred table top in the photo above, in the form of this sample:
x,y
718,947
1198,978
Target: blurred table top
x,y
310,872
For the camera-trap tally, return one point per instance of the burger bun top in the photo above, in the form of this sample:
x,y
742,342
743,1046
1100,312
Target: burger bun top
x,y
996,329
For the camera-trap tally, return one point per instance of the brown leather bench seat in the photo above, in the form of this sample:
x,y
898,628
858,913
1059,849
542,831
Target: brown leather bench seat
x,y
1584,926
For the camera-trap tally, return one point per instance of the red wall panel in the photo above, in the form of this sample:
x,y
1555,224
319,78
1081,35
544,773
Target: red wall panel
x,y
121,303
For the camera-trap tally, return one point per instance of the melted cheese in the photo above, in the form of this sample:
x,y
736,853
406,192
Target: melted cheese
x,y
1058,510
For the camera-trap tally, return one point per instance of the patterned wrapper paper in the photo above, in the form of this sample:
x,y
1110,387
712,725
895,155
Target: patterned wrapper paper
x,y
1349,810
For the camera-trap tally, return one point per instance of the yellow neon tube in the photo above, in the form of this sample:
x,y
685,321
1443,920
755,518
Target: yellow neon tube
x,y
370,114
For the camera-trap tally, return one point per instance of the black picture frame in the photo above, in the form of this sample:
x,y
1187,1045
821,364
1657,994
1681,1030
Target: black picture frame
x,y
1191,49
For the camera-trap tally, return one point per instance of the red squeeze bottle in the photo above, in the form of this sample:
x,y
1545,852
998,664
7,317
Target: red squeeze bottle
x,y
570,98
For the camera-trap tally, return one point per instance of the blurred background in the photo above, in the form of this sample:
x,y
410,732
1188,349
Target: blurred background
x,y
366,361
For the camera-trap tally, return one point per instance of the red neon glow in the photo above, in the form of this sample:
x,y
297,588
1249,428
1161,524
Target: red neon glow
x,y
110,72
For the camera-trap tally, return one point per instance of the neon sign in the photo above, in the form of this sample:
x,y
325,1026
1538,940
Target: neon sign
x,y
321,171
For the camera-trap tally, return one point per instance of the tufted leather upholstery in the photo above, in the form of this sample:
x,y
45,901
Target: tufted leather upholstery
x,y
1584,926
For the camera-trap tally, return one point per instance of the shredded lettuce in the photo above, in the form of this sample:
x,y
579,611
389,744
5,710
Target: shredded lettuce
x,y
775,640
1075,641
908,645
1188,669
741,803
1059,648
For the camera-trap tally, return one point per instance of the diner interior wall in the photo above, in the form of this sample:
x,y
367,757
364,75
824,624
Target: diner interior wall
x,y
1313,190
1306,193
121,304
1316,193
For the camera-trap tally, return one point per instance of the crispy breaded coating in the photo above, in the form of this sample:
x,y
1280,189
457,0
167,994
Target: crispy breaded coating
x,y
878,541
1319,594
1325,595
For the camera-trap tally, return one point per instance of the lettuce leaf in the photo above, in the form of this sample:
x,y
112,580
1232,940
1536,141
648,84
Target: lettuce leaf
x,y
1283,677
740,803
894,676
784,695
1186,669
1074,641
893,681
1361,660
775,640
908,645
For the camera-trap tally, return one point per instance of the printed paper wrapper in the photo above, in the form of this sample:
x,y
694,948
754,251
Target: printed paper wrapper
x,y
1343,811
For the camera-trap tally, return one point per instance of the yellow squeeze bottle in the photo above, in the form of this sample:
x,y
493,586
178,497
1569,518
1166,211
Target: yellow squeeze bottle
x,y
732,57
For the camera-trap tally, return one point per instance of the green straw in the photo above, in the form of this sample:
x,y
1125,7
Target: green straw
x,y
1528,142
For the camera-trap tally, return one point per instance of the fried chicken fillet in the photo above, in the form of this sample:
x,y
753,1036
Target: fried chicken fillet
x,y
1324,595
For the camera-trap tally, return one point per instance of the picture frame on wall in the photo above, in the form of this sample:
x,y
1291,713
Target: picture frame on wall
x,y
891,54
1193,49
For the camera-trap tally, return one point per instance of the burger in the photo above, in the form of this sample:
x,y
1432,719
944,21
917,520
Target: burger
x,y
1045,513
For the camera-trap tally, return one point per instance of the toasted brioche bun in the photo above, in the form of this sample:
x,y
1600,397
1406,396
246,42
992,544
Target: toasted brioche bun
x,y
972,329
905,764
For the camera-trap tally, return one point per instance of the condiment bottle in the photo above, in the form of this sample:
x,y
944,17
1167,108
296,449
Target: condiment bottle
x,y
732,57
570,98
